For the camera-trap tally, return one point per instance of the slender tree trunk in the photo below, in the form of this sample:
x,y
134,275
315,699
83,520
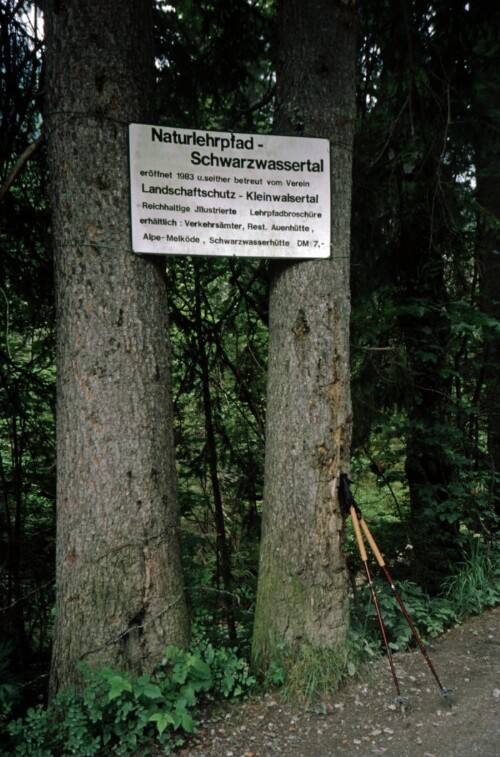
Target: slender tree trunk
x,y
429,465
14,529
488,190
120,597
486,109
223,552
302,589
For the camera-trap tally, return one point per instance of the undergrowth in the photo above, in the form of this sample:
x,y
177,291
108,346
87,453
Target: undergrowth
x,y
313,674
117,714
475,585
472,586
310,674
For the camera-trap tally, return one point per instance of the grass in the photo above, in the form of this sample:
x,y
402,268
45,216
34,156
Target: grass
x,y
476,584
312,674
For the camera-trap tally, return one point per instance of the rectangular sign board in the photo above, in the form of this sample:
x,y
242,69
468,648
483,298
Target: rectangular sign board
x,y
218,193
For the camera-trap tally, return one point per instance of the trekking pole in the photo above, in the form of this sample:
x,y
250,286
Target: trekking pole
x,y
364,559
378,556
380,560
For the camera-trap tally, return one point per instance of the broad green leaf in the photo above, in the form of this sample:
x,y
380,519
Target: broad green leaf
x,y
118,685
162,720
152,691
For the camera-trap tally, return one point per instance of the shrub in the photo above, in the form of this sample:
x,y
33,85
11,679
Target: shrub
x,y
120,715
430,616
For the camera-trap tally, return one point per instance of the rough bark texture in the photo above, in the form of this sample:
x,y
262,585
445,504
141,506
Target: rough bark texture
x,y
302,590
119,586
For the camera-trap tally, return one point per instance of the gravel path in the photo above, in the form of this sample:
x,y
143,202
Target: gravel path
x,y
362,719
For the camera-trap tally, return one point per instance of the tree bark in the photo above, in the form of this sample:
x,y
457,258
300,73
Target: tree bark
x,y
302,588
120,597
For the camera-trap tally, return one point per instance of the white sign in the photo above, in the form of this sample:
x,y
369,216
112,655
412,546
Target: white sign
x,y
218,193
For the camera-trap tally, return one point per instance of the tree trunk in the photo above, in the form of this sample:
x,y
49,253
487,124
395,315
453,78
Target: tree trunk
x,y
120,597
223,552
486,109
302,588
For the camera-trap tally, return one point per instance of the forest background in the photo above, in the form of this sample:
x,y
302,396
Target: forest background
x,y
425,327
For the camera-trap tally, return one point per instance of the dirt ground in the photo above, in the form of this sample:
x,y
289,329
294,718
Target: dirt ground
x,y
363,719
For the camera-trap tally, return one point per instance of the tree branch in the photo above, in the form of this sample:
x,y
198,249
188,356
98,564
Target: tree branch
x,y
20,163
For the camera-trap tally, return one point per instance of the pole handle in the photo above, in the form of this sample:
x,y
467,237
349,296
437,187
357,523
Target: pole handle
x,y
359,537
372,543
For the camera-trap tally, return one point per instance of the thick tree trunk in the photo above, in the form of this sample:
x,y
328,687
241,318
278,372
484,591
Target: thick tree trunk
x,y
302,589
120,594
